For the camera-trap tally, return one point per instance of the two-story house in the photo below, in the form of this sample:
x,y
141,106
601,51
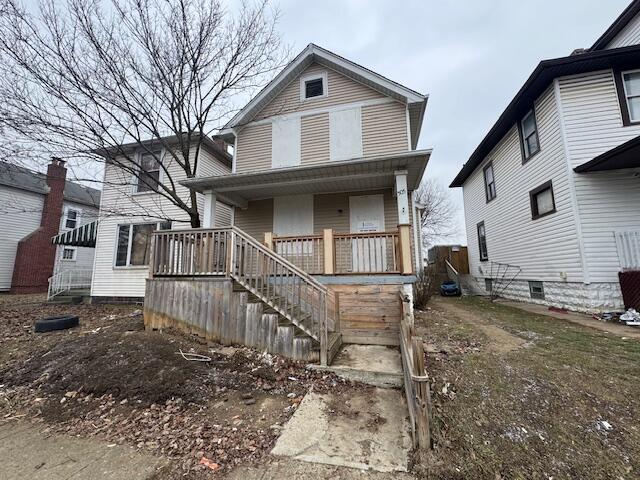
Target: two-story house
x,y
323,239
34,207
552,193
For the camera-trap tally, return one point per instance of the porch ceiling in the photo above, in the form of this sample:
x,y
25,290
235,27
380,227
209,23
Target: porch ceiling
x,y
351,175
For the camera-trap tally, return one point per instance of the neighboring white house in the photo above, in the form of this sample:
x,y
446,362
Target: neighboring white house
x,y
22,197
554,187
129,213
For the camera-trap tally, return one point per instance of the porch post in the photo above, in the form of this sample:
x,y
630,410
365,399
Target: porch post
x,y
404,223
268,240
209,209
327,245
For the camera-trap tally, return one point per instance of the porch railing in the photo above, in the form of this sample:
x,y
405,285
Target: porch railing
x,y
628,245
233,253
67,280
305,252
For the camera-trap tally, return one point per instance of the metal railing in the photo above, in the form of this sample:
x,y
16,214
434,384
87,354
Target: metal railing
x,y
67,280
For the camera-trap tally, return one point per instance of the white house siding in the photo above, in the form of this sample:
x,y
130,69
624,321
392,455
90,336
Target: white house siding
x,y
547,248
120,206
210,166
607,201
629,35
84,255
20,214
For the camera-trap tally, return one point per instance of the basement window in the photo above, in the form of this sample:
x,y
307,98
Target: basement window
x,y
313,86
536,290
488,284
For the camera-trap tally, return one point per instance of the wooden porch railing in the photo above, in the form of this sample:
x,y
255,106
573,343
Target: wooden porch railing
x,y
344,253
280,284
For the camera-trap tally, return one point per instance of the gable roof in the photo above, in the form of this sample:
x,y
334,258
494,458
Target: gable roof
x,y
314,54
25,179
618,24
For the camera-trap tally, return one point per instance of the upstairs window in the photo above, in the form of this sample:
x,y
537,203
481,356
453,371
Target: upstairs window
x,y
542,201
313,86
529,136
71,218
149,175
489,183
631,82
482,242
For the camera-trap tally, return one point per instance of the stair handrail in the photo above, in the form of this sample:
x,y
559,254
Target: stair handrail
x,y
63,281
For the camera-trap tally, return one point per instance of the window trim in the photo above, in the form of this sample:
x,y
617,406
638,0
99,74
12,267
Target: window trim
x,y
534,205
136,180
531,294
526,158
621,89
66,217
486,185
127,265
75,254
314,76
484,258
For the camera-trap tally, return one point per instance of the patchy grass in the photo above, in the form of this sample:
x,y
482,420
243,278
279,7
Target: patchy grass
x,y
563,404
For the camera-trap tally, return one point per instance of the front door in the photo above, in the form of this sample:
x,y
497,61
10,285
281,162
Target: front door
x,y
366,215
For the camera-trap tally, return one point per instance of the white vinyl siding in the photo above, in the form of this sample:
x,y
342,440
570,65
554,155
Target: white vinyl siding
x,y
607,201
84,255
345,134
20,214
629,35
285,142
544,248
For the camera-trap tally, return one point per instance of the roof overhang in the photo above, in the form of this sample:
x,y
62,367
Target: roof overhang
x,y
345,176
415,101
536,84
621,157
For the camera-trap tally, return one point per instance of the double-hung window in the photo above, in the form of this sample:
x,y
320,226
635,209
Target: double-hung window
x,y
529,140
133,245
149,174
489,183
630,97
542,200
71,218
482,242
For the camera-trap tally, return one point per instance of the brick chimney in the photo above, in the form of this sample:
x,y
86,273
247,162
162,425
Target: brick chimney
x,y
36,254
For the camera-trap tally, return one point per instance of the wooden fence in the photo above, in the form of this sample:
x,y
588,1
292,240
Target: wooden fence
x,y
416,380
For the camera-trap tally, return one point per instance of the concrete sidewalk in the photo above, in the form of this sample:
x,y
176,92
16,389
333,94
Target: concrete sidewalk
x,y
28,454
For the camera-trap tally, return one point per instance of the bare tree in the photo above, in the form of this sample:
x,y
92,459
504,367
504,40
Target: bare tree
x,y
437,212
87,76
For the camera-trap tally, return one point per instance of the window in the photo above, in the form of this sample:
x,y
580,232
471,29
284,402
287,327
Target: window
x,y
542,201
133,247
630,96
69,253
345,134
313,86
149,175
536,290
488,284
482,242
285,142
489,183
529,136
71,218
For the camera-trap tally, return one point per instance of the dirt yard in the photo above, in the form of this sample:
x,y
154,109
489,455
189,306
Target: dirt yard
x,y
522,395
110,379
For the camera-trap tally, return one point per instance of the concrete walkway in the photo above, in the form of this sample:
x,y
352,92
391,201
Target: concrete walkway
x,y
577,318
363,429
28,454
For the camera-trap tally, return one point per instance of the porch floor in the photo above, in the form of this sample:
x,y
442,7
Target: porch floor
x,y
375,365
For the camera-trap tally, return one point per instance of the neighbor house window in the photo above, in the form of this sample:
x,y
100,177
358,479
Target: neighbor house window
x,y
536,290
482,242
313,86
489,183
542,201
149,175
69,253
631,93
71,218
529,136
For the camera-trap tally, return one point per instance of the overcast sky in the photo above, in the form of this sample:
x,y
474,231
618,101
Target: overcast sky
x,y
470,56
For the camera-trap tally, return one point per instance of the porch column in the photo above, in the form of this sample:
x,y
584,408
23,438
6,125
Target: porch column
x,y
404,223
209,210
327,245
